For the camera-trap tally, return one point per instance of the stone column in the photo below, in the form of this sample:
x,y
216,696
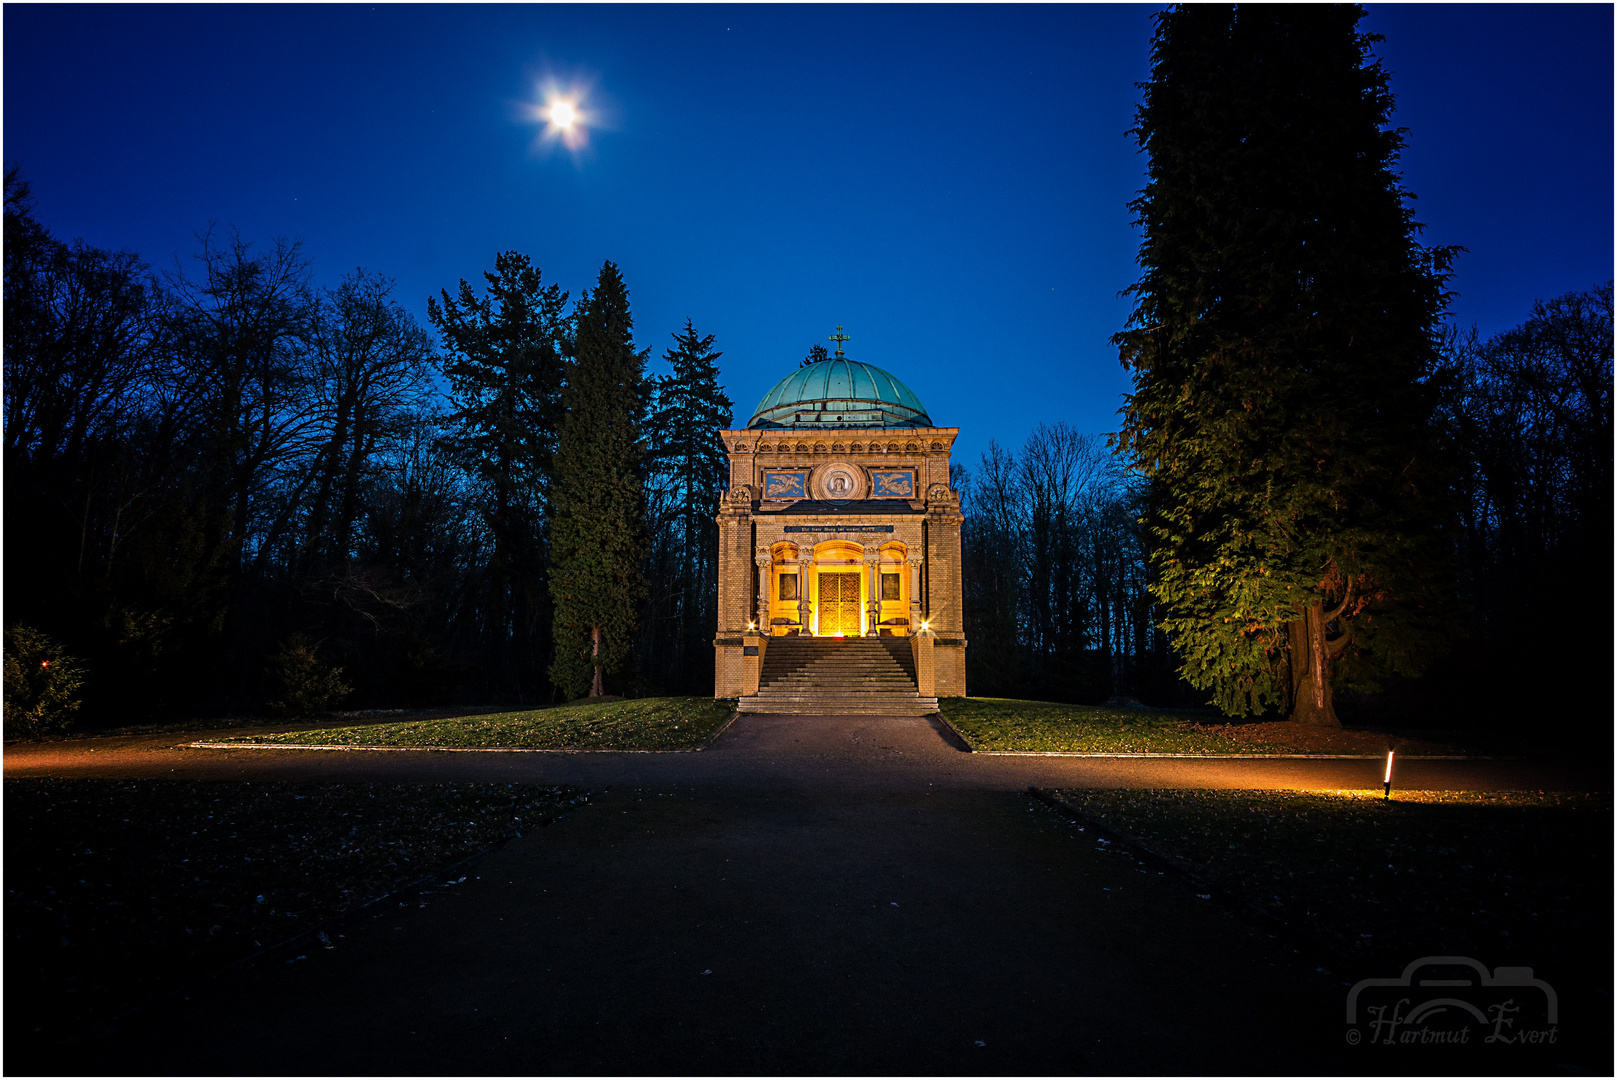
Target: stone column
x,y
944,587
915,593
802,596
763,562
873,601
753,645
926,679
735,544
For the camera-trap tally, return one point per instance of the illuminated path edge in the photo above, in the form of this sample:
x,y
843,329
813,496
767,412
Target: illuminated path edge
x,y
984,753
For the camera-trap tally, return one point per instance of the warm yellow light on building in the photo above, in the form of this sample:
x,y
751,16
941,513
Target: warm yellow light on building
x,y
838,523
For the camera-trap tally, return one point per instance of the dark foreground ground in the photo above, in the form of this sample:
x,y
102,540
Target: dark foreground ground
x,y
808,897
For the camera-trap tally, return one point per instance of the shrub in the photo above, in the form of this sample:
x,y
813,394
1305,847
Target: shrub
x,y
301,683
41,684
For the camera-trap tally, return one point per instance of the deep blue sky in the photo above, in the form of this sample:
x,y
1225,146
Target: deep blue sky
x,y
949,183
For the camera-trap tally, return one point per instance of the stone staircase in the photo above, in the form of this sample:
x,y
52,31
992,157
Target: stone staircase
x,y
828,676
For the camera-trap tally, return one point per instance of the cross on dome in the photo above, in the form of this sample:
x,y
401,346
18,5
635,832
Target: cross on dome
x,y
839,337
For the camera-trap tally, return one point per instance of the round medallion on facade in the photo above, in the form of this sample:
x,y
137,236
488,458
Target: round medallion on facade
x,y
839,480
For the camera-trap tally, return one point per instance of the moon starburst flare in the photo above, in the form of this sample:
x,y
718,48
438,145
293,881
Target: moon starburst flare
x,y
564,118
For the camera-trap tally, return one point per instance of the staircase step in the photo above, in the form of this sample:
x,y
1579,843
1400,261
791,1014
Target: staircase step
x,y
838,676
916,706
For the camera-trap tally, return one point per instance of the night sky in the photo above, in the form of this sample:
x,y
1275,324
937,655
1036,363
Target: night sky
x,y
948,183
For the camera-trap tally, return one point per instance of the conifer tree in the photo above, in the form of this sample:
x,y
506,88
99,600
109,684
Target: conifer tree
x,y
1282,346
598,532
506,352
691,409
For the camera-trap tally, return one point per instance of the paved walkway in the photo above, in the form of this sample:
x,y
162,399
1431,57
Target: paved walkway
x,y
873,753
823,896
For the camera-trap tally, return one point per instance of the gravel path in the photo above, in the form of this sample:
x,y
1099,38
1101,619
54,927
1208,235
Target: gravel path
x,y
825,896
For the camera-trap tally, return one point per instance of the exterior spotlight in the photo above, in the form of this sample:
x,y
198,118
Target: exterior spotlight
x,y
1386,781
751,625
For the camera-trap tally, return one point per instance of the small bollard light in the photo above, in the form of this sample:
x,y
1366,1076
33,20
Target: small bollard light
x,y
1386,781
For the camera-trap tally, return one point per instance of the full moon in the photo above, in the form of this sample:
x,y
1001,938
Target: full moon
x,y
565,118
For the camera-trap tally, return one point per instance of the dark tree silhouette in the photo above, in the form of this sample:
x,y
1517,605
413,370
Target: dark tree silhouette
x,y
690,471
1531,409
371,363
1056,605
507,352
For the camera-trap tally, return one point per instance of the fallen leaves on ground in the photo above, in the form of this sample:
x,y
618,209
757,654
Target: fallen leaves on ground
x,y
1506,877
117,890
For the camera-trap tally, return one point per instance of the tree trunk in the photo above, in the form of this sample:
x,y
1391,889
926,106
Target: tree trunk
x,y
316,545
596,687
1311,670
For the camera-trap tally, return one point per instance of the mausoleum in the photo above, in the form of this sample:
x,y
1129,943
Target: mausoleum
x,y
839,549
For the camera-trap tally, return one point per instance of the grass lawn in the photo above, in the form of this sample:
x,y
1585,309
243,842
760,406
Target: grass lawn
x,y
672,723
1011,725
1505,877
120,890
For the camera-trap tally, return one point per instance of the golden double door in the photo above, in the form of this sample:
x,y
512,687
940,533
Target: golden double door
x,y
841,609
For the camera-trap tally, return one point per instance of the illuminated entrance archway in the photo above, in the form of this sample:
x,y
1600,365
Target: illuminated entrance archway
x,y
838,588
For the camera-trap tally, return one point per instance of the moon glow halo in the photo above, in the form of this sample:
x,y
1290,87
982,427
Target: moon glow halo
x,y
564,118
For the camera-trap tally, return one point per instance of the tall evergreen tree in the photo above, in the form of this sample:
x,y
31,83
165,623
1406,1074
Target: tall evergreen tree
x,y
506,351
689,454
598,533
1282,347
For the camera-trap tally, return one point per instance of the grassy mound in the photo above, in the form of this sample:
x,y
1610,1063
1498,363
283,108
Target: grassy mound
x,y
674,723
1008,725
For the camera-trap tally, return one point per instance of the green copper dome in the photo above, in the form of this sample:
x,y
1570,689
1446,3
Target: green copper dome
x,y
838,392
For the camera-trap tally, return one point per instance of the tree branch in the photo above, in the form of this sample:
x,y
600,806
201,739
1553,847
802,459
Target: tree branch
x,y
1347,599
1332,648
